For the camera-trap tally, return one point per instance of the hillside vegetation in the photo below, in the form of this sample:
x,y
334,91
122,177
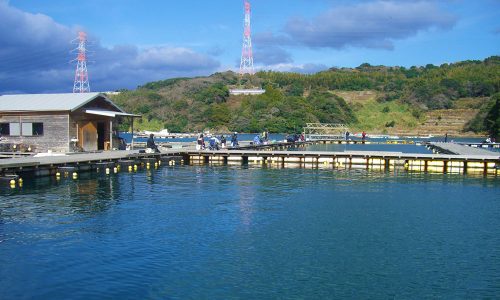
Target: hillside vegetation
x,y
375,98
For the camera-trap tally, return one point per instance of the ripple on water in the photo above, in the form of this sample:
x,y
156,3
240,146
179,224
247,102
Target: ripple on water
x,y
251,232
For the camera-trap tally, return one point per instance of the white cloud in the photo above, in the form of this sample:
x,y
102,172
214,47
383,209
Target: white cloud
x,y
374,24
35,49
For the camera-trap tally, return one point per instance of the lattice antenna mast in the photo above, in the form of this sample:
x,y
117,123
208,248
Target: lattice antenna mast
x,y
246,66
81,84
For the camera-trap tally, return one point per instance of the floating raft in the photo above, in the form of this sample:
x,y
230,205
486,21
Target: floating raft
x,y
432,163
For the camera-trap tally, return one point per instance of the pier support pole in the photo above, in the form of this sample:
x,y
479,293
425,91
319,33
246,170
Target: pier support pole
x,y
111,134
132,129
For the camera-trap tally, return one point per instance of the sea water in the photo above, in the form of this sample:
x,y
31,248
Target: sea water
x,y
222,232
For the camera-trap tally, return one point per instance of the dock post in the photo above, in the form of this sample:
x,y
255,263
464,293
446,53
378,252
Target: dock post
x,y
111,135
132,129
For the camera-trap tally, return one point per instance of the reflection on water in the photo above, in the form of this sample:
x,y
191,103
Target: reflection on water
x,y
251,232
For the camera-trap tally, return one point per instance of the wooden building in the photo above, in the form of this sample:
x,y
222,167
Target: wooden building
x,y
60,122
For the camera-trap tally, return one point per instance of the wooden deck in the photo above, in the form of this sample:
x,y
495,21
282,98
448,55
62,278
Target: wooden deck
x,y
436,163
347,154
111,161
461,149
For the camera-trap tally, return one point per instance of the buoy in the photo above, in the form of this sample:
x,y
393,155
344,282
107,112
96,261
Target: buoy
x,y
20,182
12,182
115,170
148,166
130,168
156,165
107,171
75,175
173,163
58,174
135,167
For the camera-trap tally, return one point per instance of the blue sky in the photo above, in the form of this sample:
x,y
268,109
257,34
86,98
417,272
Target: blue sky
x,y
134,42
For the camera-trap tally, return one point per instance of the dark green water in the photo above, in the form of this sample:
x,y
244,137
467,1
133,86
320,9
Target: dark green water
x,y
201,232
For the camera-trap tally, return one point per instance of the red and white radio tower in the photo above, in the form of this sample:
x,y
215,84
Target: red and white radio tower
x,y
81,84
246,65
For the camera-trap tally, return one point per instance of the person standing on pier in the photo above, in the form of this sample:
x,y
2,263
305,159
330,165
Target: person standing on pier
x,y
347,135
200,143
446,138
223,142
363,136
265,136
234,140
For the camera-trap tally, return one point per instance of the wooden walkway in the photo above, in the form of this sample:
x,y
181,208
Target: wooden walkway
x,y
438,163
478,162
460,149
348,154
51,165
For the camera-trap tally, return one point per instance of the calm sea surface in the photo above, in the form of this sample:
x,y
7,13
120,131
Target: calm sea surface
x,y
221,232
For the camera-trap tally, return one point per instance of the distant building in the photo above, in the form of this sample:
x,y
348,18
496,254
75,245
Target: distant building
x,y
247,92
59,122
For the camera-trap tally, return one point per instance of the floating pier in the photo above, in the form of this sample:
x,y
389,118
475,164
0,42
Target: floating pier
x,y
12,170
432,163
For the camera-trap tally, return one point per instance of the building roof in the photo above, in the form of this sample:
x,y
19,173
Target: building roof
x,y
49,102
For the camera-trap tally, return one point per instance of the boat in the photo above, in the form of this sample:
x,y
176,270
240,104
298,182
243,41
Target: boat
x,y
159,134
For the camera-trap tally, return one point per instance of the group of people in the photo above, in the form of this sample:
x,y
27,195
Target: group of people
x,y
215,143
348,134
261,139
292,138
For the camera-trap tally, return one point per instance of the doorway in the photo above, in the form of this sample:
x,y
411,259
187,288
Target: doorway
x,y
87,137
101,134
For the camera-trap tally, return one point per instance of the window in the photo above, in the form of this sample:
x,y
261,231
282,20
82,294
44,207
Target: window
x,y
15,129
27,129
4,129
31,129
37,128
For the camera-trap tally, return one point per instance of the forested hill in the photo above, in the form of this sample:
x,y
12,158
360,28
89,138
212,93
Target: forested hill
x,y
291,99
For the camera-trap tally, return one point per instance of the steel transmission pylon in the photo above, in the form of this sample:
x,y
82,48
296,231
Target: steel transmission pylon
x,y
246,66
81,84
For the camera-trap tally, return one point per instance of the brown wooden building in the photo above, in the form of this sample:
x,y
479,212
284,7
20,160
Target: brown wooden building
x,y
60,122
